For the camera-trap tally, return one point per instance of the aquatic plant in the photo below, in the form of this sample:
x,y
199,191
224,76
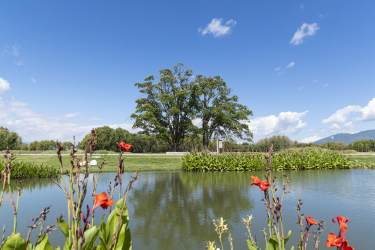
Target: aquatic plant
x,y
284,160
80,233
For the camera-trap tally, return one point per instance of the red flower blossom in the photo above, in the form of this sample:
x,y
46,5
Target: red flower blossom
x,y
255,180
125,146
263,185
333,240
342,222
103,201
311,221
345,246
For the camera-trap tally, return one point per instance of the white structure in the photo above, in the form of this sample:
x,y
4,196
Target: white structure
x,y
93,163
219,146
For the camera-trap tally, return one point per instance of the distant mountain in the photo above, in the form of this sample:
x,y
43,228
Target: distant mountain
x,y
348,138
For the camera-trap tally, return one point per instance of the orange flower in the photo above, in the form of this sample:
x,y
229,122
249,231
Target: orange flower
x,y
263,185
125,146
255,180
333,240
345,246
342,222
103,201
311,221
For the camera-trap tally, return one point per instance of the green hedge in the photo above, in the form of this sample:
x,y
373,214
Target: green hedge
x,y
30,170
293,160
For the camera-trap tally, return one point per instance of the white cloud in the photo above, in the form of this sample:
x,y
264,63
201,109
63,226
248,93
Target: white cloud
x,y
311,139
95,118
312,130
321,15
216,28
341,115
325,85
4,85
315,80
290,65
16,50
368,112
299,88
277,69
348,127
71,115
18,116
19,63
285,123
301,6
32,79
335,127
305,30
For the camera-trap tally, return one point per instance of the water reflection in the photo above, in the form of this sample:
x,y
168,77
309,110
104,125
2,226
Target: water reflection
x,y
176,210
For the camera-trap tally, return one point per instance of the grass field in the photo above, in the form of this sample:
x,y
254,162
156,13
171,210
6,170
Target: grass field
x,y
141,162
131,163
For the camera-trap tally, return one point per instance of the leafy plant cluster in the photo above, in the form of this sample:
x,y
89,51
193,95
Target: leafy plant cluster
x,y
79,228
308,158
30,170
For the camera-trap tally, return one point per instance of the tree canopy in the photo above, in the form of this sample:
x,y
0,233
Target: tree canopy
x,y
219,111
171,103
167,107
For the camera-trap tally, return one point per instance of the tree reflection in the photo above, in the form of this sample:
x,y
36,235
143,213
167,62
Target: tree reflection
x,y
177,209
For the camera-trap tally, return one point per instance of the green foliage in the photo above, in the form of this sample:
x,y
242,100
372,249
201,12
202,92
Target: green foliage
x,y
309,158
363,145
218,110
10,139
168,107
283,141
30,170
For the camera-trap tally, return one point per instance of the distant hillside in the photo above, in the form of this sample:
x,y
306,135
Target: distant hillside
x,y
348,138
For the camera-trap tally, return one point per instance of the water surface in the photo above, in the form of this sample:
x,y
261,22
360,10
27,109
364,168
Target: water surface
x,y
175,210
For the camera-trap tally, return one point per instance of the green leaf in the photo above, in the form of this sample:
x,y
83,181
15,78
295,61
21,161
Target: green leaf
x,y
115,215
251,246
292,248
104,235
68,245
57,248
43,244
287,237
15,242
31,247
64,228
90,236
272,244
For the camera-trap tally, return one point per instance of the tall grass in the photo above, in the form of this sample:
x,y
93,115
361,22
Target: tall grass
x,y
30,170
308,158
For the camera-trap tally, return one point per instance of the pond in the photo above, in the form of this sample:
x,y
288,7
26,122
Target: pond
x,y
175,210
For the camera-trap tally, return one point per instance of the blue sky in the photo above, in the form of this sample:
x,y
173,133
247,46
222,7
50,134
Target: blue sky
x,y
305,68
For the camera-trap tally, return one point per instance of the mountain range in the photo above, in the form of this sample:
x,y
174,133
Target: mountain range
x,y
348,138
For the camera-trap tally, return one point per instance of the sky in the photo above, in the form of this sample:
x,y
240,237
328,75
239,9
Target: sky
x,y
305,68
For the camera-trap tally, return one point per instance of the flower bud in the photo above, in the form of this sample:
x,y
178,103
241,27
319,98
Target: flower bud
x,y
92,131
278,216
5,155
94,134
116,184
275,211
79,231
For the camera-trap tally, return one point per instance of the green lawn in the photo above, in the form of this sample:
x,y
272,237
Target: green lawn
x,y
131,163
367,159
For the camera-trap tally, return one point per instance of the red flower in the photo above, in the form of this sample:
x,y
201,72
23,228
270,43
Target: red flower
x,y
311,221
255,180
103,201
263,185
125,146
345,246
342,222
333,240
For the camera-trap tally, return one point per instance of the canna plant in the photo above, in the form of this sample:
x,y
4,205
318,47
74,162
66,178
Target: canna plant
x,y
274,236
80,233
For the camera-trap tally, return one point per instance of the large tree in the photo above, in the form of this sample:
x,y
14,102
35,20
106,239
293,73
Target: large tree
x,y
167,106
219,111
